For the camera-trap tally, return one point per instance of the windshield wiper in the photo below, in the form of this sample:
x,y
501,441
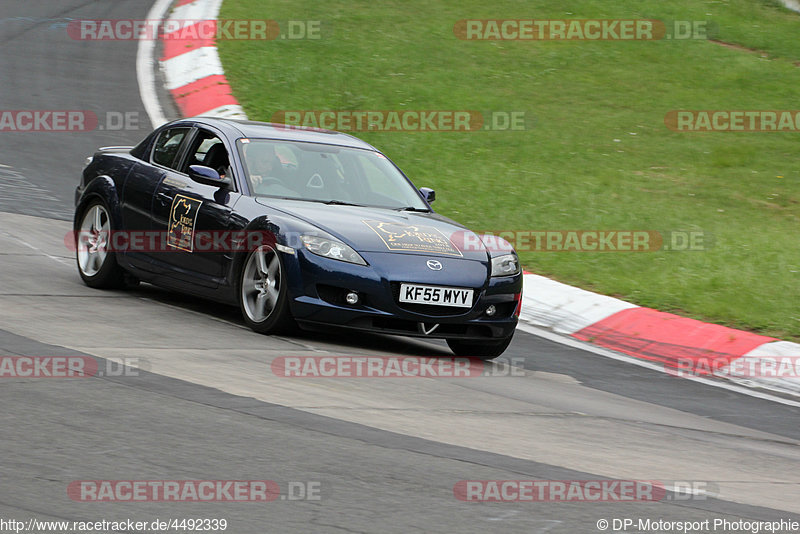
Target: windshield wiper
x,y
344,203
332,202
339,203
412,208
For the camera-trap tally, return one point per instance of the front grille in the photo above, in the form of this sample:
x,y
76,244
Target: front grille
x,y
428,309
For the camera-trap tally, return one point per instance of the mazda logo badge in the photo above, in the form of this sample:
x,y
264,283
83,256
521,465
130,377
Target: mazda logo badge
x,y
434,265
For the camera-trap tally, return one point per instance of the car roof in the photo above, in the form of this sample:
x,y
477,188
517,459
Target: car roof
x,y
237,128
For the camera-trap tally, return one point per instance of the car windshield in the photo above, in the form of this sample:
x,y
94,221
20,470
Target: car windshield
x,y
325,173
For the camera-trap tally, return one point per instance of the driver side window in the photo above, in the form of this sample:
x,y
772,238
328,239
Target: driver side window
x,y
208,150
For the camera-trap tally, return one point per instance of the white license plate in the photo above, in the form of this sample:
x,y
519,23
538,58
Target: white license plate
x,y
437,296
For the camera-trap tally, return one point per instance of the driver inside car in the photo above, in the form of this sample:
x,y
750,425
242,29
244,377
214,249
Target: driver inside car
x,y
263,163
217,159
266,171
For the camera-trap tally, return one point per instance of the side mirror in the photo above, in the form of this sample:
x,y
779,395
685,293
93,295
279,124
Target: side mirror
x,y
428,194
208,176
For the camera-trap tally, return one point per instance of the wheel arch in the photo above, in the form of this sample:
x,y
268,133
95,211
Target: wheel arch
x,y
279,231
104,189
267,229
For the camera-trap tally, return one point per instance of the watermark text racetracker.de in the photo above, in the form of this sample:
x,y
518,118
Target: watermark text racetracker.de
x,y
598,240
603,490
744,367
722,120
225,491
393,367
582,29
69,366
429,120
194,30
65,120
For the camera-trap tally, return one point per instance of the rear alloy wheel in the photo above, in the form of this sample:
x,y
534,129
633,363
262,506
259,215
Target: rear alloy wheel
x,y
262,292
479,349
96,264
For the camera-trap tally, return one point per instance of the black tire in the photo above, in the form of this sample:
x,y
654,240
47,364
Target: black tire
x,y
479,349
97,265
262,292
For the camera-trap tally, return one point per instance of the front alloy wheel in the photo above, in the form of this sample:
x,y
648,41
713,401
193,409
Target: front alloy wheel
x,y
97,265
262,292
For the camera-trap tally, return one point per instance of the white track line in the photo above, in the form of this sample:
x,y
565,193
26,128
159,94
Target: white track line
x,y
144,68
63,261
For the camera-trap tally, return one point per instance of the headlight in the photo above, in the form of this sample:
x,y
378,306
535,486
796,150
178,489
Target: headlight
x,y
331,248
505,265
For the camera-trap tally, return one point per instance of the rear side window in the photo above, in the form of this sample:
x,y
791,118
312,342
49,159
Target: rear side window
x,y
142,149
167,145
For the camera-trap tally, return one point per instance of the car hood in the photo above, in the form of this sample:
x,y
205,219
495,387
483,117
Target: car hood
x,y
370,229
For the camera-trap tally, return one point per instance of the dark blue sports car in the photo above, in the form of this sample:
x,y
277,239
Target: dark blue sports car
x,y
296,226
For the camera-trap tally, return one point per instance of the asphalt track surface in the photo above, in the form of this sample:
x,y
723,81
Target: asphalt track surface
x,y
203,403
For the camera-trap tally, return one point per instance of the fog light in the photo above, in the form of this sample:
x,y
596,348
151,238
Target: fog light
x,y
491,310
351,298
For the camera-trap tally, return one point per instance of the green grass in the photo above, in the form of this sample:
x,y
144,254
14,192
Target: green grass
x,y
596,153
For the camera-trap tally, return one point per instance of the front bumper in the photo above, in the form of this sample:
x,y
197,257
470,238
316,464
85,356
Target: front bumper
x,y
318,285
